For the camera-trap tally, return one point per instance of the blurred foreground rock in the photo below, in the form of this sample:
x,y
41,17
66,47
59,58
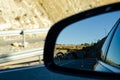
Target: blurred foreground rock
x,y
18,44
29,14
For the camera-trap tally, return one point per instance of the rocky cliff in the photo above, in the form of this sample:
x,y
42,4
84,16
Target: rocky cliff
x,y
28,14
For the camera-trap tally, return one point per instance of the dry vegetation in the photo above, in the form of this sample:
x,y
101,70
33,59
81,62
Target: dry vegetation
x,y
70,47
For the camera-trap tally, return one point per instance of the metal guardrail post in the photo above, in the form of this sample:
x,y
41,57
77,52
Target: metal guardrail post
x,y
24,40
24,45
40,59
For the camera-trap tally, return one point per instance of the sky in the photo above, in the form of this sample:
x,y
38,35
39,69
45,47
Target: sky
x,y
88,30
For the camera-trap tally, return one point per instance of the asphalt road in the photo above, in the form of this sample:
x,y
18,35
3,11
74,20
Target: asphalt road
x,y
82,64
35,73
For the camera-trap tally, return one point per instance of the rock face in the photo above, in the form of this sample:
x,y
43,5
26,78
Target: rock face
x,y
29,14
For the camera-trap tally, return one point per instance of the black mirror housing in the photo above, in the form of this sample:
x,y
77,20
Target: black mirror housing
x,y
58,27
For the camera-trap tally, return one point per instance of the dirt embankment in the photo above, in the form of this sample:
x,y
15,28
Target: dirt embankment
x,y
28,14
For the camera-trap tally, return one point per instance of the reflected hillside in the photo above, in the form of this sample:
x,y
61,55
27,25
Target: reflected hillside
x,y
90,50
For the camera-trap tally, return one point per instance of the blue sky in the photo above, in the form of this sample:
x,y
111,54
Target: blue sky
x,y
88,30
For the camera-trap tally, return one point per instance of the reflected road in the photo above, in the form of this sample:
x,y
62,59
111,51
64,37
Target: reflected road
x,y
83,64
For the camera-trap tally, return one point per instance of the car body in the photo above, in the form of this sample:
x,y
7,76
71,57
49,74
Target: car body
x,y
110,60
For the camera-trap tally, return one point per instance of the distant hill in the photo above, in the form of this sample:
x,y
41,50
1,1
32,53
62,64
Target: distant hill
x,y
91,50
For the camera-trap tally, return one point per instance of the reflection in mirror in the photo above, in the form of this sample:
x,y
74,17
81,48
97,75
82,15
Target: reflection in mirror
x,y
79,45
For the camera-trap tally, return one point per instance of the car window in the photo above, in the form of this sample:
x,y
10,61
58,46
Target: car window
x,y
105,45
107,42
113,55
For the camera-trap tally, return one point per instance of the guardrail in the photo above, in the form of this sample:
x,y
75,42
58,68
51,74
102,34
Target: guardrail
x,y
25,31
4,58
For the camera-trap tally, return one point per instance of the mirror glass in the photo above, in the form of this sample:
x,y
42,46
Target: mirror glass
x,y
79,45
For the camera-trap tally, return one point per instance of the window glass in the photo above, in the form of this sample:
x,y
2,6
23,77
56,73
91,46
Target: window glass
x,y
113,55
107,41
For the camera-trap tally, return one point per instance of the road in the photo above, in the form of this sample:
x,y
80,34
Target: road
x,y
83,64
35,73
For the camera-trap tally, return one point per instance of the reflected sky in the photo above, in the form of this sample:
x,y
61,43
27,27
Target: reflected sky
x,y
88,30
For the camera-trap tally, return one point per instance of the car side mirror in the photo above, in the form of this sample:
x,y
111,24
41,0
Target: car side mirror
x,y
79,45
